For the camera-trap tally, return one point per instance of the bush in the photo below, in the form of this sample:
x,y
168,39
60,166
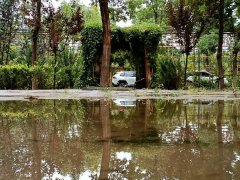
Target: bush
x,y
168,73
15,76
204,84
44,75
18,76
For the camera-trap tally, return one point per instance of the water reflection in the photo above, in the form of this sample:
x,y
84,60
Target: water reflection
x,y
125,102
149,139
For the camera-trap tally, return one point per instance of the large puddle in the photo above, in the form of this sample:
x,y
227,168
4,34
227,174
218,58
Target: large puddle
x,y
119,139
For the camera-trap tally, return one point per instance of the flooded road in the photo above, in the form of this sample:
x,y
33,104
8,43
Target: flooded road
x,y
120,139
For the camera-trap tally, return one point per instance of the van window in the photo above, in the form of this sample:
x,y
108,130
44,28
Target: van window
x,y
130,74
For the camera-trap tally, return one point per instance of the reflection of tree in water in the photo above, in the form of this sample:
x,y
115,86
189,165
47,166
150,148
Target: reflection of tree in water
x,y
68,136
106,137
49,135
188,133
167,113
235,121
124,168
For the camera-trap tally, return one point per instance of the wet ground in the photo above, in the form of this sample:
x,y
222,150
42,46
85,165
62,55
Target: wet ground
x,y
126,137
110,93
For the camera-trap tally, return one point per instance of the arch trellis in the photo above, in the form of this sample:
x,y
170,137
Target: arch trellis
x,y
140,41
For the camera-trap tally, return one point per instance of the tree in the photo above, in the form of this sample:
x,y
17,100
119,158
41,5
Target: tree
x,y
188,20
54,31
60,26
148,11
91,14
220,43
9,16
32,10
208,44
105,65
233,9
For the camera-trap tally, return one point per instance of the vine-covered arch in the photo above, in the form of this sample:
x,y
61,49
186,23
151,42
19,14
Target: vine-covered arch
x,y
140,41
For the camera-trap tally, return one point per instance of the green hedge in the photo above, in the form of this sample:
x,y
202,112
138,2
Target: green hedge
x,y
18,76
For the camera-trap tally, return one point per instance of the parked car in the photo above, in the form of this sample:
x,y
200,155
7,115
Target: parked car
x,y
205,76
124,78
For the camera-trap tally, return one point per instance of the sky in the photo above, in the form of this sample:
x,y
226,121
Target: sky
x,y
56,4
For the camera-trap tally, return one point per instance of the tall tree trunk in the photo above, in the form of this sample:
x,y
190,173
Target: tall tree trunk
x,y
2,53
185,69
105,66
35,34
235,68
220,43
155,17
9,43
147,68
235,60
55,69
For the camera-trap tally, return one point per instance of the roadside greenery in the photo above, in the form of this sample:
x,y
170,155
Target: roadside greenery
x,y
136,42
70,43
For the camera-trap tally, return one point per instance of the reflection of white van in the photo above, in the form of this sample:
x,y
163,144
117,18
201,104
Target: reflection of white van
x,y
124,78
125,102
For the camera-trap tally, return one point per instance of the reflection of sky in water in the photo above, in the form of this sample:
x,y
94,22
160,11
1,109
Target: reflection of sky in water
x,y
83,176
125,102
227,134
124,156
57,176
73,131
176,134
236,160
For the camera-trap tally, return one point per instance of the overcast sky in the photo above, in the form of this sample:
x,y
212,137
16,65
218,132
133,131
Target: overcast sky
x,y
56,3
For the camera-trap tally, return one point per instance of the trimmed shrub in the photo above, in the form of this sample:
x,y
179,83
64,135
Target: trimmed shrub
x,y
15,76
18,76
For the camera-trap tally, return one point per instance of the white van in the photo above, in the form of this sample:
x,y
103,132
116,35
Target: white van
x,y
124,78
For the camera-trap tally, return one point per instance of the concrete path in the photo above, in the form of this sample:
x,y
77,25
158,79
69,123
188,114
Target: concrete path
x,y
6,95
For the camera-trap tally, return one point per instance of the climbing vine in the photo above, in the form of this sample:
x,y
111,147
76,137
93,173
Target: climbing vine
x,y
140,41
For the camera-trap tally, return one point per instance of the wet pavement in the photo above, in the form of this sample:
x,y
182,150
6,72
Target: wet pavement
x,y
110,93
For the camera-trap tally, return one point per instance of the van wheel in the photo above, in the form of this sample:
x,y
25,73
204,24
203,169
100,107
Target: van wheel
x,y
122,84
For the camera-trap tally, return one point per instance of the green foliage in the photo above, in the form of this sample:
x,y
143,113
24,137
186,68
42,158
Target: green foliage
x,y
121,57
208,43
9,21
18,76
91,47
15,76
44,75
168,73
204,84
91,14
148,11
133,41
